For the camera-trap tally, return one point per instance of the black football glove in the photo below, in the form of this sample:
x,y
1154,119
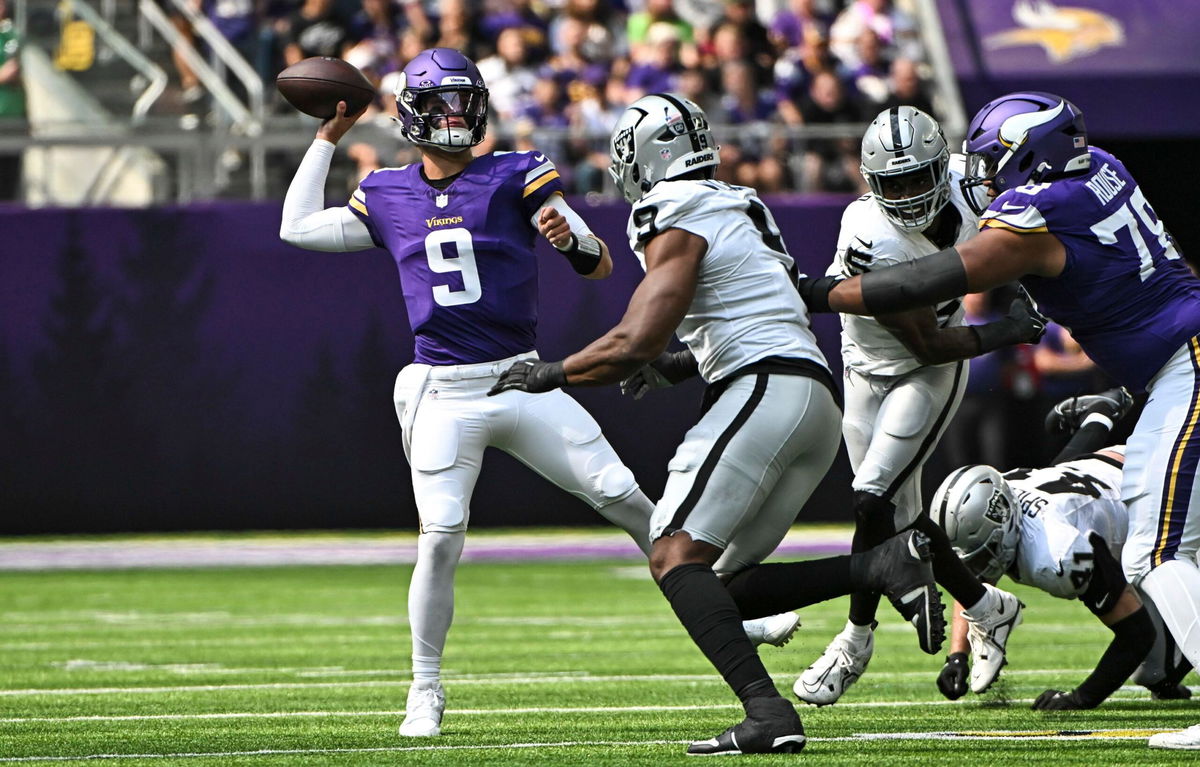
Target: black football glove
x,y
668,369
952,680
532,376
1057,700
1023,324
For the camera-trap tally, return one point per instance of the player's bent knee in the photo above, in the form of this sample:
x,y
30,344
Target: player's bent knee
x,y
442,515
615,482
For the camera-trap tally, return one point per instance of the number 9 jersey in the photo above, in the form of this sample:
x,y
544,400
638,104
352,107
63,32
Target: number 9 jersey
x,y
465,252
1060,505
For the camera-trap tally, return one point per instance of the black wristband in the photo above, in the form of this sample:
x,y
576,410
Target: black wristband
x,y
815,292
996,335
584,254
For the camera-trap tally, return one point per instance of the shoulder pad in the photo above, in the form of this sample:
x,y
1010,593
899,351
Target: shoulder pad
x,y
667,204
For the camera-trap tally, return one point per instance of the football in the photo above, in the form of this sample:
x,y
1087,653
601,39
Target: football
x,y
316,85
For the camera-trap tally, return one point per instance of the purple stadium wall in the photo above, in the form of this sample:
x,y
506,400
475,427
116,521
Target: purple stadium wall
x,y
182,368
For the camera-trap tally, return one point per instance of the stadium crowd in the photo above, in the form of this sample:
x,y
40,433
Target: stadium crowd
x,y
565,69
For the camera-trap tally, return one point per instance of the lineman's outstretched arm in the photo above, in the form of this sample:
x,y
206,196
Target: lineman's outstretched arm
x,y
993,258
656,308
307,223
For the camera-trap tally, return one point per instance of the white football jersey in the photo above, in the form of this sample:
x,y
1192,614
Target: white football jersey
x,y
746,306
1060,505
868,240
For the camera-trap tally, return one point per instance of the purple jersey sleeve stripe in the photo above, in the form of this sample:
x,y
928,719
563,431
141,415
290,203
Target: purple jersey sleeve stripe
x,y
540,182
995,222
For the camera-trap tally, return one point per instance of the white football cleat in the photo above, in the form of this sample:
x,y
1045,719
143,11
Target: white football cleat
x,y
423,712
988,636
1184,739
840,666
774,630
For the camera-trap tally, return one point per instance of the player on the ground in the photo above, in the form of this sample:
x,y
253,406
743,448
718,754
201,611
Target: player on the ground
x,y
1070,222
718,273
461,230
905,377
1061,529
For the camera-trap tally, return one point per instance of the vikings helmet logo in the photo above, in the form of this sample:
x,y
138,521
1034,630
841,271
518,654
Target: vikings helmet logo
x,y
1064,33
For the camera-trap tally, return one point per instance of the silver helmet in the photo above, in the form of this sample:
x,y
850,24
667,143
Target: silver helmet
x,y
976,508
660,136
906,162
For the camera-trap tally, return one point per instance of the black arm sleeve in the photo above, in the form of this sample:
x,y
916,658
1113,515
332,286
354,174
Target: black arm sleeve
x,y
1133,636
923,282
1088,439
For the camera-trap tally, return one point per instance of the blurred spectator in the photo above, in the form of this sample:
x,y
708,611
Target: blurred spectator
x,y
314,30
12,103
742,101
789,25
831,165
907,87
1063,370
655,12
502,15
756,45
458,28
600,28
571,61
189,84
655,69
374,38
896,29
695,86
870,77
794,73
509,75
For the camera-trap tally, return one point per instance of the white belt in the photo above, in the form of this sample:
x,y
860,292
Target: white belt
x,y
477,370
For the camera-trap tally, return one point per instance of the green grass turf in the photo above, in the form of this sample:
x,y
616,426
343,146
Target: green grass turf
x,y
308,666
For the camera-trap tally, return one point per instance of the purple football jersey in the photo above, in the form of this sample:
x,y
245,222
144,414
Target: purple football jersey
x,y
1125,294
465,253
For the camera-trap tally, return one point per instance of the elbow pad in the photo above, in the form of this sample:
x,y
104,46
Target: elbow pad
x,y
923,282
583,253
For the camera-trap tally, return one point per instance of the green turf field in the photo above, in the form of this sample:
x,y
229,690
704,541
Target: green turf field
x,y
548,664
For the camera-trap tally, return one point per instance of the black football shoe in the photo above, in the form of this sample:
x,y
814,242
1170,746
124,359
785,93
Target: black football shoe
x,y
1069,414
771,726
901,569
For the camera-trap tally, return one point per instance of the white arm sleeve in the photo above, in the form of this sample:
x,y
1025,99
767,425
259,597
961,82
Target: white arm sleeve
x,y
579,227
306,222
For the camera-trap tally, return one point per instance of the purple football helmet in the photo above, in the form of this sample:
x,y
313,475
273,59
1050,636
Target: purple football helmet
x,y
442,101
1023,138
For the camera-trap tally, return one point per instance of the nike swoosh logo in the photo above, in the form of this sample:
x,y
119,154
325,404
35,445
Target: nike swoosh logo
x,y
539,158
1010,206
865,243
1102,605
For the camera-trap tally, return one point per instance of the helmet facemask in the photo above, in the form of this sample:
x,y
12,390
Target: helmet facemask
x,y
912,197
451,117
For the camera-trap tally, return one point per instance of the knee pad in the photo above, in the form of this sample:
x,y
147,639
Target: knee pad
x,y
614,483
442,514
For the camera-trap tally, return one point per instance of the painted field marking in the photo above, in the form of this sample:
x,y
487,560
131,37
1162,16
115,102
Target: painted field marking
x,y
1006,735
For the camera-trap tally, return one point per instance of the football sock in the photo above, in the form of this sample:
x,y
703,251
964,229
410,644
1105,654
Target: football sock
x,y
431,600
1175,588
711,618
632,514
948,570
858,633
874,523
781,586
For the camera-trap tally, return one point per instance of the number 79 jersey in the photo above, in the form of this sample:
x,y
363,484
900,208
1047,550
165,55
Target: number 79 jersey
x,y
465,253
1060,505
1124,293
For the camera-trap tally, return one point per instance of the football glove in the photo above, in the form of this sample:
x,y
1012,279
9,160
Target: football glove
x,y
1057,700
532,376
952,680
1023,324
668,369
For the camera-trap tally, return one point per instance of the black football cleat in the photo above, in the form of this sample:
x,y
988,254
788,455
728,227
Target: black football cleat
x,y
1169,690
902,570
1069,414
771,726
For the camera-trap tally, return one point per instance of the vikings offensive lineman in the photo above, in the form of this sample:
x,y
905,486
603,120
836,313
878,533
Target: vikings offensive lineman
x,y
1070,222
1061,529
461,230
905,376
718,273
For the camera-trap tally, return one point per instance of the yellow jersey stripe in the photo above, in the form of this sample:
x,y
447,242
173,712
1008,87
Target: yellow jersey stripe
x,y
540,182
1011,227
1176,460
354,203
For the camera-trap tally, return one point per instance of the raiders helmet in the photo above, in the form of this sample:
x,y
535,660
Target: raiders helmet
x,y
906,163
976,508
659,137
437,85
